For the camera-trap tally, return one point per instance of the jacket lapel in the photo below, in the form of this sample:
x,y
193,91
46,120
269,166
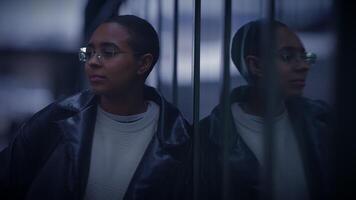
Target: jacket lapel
x,y
78,131
159,159
243,164
306,135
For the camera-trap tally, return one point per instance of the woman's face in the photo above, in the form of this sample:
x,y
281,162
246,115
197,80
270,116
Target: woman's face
x,y
291,66
290,63
117,73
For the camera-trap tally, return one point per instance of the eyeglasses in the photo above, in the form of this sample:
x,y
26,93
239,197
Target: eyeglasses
x,y
293,56
104,53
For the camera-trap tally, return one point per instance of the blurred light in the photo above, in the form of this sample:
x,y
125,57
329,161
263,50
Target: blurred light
x,y
38,24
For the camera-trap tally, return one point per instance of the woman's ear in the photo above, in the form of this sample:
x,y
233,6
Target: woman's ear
x,y
145,63
254,66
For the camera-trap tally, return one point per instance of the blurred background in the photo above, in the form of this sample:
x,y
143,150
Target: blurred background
x,y
39,41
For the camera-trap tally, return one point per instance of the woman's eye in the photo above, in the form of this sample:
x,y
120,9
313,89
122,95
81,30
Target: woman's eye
x,y
286,57
108,52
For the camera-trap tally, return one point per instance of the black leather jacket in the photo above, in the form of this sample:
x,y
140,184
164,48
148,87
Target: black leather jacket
x,y
310,121
50,156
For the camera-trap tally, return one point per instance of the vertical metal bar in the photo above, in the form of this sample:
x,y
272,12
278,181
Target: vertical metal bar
x,y
225,97
159,30
146,9
268,43
196,98
175,54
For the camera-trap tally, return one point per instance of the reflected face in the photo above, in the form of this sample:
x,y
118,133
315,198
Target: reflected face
x,y
291,67
114,71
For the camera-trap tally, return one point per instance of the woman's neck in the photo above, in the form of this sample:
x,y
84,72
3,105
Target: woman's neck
x,y
256,104
131,103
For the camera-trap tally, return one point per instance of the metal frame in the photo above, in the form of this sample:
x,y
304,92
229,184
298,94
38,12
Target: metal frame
x,y
196,98
175,54
225,97
270,92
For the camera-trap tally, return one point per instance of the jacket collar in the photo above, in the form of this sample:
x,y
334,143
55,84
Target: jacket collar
x,y
170,117
237,95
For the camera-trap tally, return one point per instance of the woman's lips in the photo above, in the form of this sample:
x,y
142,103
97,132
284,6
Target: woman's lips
x,y
300,83
96,78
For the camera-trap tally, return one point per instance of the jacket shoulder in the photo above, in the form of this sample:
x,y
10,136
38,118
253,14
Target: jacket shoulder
x,y
316,109
174,121
210,128
33,143
44,120
318,106
212,121
61,108
205,123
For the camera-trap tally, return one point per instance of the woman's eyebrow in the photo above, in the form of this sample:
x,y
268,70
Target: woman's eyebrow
x,y
104,44
291,48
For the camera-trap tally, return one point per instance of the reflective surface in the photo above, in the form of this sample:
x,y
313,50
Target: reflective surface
x,y
39,64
